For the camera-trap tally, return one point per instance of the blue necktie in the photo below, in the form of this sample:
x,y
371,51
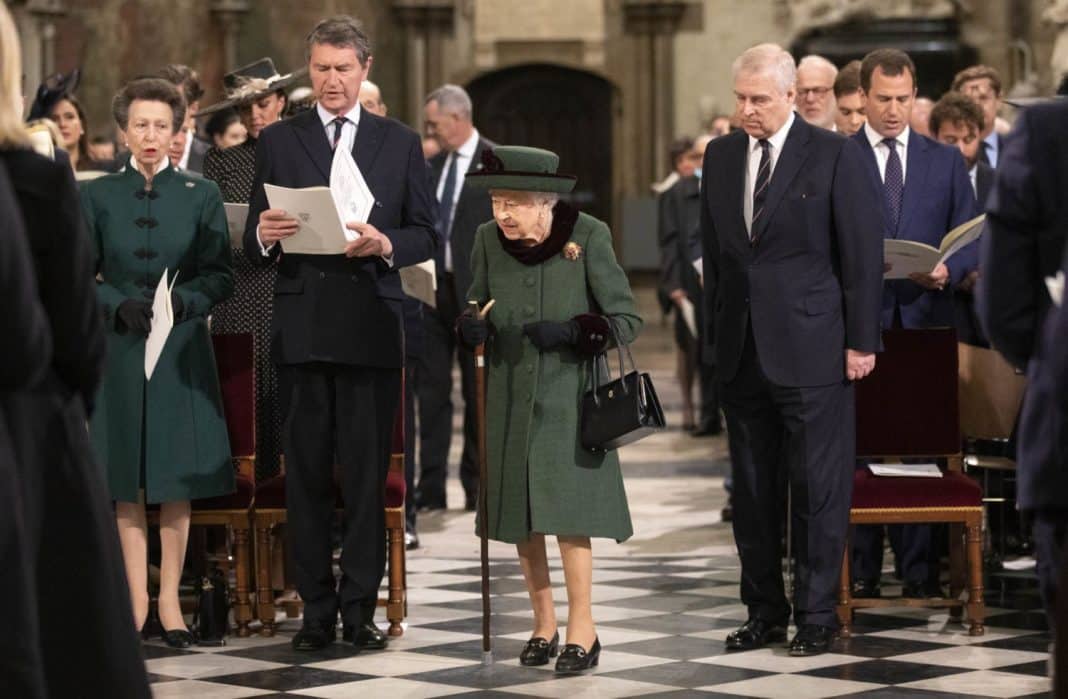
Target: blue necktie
x,y
763,180
445,204
893,184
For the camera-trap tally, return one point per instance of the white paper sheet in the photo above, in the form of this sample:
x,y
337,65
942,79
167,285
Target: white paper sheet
x,y
352,196
906,470
689,315
236,215
420,281
162,323
1055,286
320,230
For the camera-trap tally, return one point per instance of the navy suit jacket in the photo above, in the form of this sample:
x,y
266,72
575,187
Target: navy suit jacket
x,y
938,197
1027,221
331,308
809,281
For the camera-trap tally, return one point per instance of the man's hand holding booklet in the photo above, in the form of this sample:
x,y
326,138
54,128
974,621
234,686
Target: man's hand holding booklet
x,y
904,258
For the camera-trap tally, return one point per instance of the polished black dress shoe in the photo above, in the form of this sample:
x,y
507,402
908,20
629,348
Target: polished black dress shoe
x,y
366,636
755,633
312,637
178,638
811,639
574,658
537,651
471,502
866,589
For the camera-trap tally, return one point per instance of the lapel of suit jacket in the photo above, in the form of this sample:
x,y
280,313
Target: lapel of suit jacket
x,y
437,166
368,141
915,180
861,137
312,136
794,153
737,157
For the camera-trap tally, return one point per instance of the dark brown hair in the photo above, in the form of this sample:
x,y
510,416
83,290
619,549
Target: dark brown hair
x,y
848,80
892,62
151,90
679,148
979,72
955,108
184,77
84,159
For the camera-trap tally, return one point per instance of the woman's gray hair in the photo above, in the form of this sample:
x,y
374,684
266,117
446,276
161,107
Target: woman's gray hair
x,y
452,99
771,59
149,90
548,198
341,31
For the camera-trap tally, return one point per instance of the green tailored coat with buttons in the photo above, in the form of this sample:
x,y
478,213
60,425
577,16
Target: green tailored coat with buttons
x,y
539,478
173,421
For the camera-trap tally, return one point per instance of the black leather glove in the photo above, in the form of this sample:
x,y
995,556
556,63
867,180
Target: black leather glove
x,y
550,334
135,315
473,330
177,305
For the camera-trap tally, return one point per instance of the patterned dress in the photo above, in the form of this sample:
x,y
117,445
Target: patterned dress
x,y
249,309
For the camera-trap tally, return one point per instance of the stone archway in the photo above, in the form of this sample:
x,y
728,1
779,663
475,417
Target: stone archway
x,y
565,110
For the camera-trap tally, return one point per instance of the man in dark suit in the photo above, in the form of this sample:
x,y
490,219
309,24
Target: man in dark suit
x,y
792,275
1027,221
187,149
337,329
460,210
926,192
956,120
983,85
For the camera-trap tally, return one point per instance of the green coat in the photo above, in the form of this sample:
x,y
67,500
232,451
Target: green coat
x,y
180,226
540,479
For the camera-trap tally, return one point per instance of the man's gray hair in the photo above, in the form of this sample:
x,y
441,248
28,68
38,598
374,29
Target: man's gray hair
x,y
452,99
768,58
814,61
341,31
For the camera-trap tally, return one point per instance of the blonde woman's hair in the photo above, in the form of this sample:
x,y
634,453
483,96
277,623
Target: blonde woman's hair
x,y
12,131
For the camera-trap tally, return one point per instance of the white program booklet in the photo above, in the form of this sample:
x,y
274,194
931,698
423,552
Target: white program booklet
x,y
236,214
351,194
907,257
906,470
162,323
420,281
1055,286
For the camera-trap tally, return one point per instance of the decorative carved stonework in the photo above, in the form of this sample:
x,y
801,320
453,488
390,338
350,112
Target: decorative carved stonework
x,y
653,16
806,15
425,14
1057,15
229,14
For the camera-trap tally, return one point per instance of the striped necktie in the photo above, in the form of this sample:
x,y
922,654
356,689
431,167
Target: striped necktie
x,y
763,179
339,124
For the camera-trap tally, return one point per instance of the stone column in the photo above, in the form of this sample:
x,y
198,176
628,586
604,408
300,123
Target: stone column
x,y
427,23
229,14
45,13
654,24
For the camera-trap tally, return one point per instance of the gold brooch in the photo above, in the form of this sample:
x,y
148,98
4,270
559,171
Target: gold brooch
x,y
572,251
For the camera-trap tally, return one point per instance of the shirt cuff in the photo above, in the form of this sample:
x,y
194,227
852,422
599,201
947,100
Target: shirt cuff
x,y
265,251
388,261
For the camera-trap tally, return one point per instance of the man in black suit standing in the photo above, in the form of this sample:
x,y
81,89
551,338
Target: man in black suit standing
x,y
793,278
337,329
1027,221
460,210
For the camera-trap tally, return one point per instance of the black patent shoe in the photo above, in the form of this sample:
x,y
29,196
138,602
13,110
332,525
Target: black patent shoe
x,y
574,658
365,636
755,633
811,639
537,651
178,638
313,637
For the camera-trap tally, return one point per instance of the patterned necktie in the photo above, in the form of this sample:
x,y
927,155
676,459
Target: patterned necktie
x,y
338,123
763,179
893,183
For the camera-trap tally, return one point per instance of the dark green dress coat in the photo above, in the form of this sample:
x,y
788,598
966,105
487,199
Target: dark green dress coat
x,y
175,421
539,478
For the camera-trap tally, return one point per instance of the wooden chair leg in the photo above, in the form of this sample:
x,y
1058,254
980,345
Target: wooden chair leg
x,y
397,594
243,556
976,605
845,597
264,594
957,568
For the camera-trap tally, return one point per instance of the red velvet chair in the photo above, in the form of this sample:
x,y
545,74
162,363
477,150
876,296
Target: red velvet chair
x,y
270,511
907,408
235,361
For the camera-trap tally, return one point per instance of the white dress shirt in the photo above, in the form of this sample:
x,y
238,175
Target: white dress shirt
x,y
183,164
463,156
882,151
971,176
990,144
776,140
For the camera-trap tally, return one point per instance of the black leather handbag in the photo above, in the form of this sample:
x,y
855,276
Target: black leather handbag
x,y
620,411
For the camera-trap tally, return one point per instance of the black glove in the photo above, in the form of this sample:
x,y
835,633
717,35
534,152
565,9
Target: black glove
x,y
473,330
177,305
549,334
135,315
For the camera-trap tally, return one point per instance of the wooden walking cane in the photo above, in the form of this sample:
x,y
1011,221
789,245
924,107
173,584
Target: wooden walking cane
x,y
483,519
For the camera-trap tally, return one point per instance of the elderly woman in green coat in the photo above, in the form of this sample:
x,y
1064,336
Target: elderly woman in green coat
x,y
163,440
556,287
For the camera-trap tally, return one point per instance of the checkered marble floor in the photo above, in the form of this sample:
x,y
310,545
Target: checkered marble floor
x,y
664,601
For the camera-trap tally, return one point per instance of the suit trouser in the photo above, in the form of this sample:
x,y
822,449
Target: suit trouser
x,y
1050,531
911,544
808,431
338,414
411,380
435,399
